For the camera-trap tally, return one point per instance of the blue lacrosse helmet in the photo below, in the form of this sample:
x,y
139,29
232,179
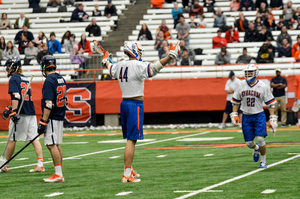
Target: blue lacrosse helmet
x,y
48,63
12,65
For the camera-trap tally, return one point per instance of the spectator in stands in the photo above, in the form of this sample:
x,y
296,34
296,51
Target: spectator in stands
x,y
193,24
241,23
271,48
281,23
157,4
96,12
54,45
54,4
144,33
258,4
69,2
247,5
191,52
296,15
288,11
23,43
69,47
251,34
2,44
159,40
5,23
264,56
276,4
77,57
34,3
202,23
43,53
31,52
258,23
165,29
209,4
183,31
110,10
161,48
84,45
41,39
234,6
283,35
263,10
264,34
29,35
10,51
195,10
223,57
79,14
219,19
185,59
269,22
21,21
175,12
65,38
219,41
231,35
93,29
285,50
244,58
297,56
295,48
172,62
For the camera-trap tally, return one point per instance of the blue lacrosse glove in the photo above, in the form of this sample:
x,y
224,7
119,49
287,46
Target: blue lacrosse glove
x,y
14,116
6,112
42,126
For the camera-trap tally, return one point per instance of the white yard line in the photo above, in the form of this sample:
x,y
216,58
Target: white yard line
x,y
22,159
54,194
269,191
161,156
207,155
115,149
124,193
114,157
236,178
74,142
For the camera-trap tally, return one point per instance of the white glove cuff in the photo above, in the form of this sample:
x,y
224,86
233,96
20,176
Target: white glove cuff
x,y
273,117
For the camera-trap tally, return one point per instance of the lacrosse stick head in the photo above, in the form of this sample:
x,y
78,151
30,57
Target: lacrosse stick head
x,y
98,48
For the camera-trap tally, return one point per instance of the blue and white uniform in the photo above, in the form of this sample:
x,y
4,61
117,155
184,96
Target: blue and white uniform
x,y
252,98
25,130
54,92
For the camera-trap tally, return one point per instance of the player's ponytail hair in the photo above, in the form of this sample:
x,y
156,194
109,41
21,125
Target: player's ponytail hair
x,y
20,71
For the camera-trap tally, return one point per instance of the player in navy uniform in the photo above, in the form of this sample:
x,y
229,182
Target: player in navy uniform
x,y
23,126
54,108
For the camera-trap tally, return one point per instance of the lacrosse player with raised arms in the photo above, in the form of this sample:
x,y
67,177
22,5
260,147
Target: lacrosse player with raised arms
x,y
252,94
54,103
21,127
131,75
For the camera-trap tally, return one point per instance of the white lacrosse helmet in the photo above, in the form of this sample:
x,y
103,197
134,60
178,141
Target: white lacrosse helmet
x,y
251,72
133,49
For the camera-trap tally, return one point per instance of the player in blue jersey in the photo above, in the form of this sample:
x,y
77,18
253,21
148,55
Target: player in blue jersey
x,y
23,126
54,103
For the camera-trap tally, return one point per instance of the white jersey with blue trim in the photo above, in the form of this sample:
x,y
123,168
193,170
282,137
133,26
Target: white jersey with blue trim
x,y
131,75
253,97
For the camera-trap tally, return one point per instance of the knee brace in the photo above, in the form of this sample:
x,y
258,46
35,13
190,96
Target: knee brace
x,y
250,144
261,140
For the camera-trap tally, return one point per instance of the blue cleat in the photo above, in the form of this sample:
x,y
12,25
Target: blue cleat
x,y
256,155
263,165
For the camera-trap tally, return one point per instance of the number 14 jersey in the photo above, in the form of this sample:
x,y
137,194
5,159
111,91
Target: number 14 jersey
x,y
252,97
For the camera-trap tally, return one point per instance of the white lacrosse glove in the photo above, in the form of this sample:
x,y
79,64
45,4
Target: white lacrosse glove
x,y
295,107
273,122
235,118
105,59
174,50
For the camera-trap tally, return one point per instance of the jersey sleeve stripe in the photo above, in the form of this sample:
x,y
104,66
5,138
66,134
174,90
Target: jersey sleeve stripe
x,y
149,71
235,100
270,102
110,70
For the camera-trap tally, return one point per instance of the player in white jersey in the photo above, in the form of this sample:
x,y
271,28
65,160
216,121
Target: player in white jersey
x,y
252,94
131,75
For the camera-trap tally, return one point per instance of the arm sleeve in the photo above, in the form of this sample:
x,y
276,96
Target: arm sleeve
x,y
217,59
227,86
285,82
227,57
50,94
146,70
87,29
59,47
113,70
13,87
16,23
236,98
268,97
98,33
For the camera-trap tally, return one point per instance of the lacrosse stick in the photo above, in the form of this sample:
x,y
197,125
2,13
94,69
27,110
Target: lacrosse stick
x,y
20,107
100,49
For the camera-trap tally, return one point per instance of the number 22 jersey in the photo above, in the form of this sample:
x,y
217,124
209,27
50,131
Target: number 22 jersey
x,y
54,89
253,97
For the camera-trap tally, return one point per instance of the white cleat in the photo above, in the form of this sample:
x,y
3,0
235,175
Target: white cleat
x,y
37,169
55,178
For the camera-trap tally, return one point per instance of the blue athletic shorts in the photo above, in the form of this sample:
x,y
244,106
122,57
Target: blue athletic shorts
x,y
228,108
254,125
132,119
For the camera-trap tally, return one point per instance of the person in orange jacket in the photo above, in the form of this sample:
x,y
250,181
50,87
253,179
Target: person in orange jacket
x,y
232,36
297,89
219,41
296,47
157,4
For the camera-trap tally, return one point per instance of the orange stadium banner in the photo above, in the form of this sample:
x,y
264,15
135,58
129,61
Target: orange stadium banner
x,y
161,95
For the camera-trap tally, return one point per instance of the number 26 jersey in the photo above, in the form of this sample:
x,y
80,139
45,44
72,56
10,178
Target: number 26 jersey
x,y
253,97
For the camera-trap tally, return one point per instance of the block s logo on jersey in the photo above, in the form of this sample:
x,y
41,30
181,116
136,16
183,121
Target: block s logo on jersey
x,y
81,108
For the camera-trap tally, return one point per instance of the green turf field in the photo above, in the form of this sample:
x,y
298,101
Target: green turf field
x,y
182,166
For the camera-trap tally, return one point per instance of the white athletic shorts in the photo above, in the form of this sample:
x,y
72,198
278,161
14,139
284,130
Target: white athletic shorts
x,y
25,130
54,132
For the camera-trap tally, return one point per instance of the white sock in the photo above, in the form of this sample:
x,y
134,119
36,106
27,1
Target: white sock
x,y
40,162
58,169
127,172
256,147
263,158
